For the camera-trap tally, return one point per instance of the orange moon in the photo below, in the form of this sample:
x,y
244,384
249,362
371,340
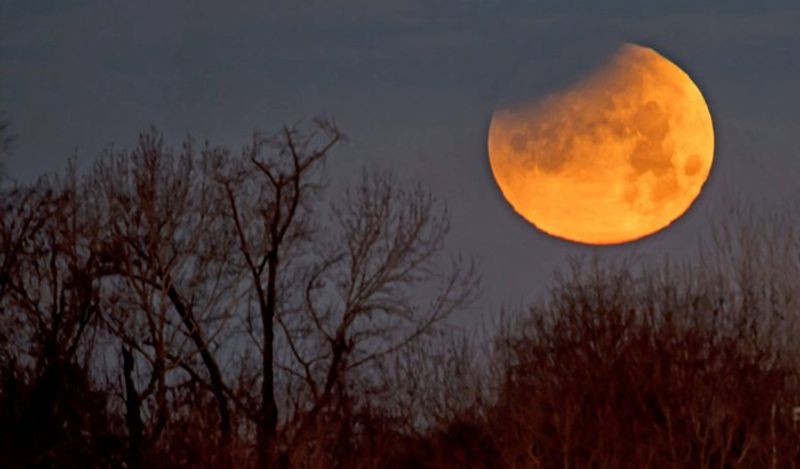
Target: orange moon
x,y
617,156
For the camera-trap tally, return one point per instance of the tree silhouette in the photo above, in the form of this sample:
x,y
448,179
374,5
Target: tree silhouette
x,y
203,307
50,314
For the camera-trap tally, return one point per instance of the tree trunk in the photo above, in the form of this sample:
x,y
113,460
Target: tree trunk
x,y
133,417
268,423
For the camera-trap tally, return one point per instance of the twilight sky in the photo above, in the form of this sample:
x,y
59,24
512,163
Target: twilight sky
x,y
412,83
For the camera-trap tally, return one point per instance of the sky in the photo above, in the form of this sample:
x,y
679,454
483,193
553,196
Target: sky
x,y
413,85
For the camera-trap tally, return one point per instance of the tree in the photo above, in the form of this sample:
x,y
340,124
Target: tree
x,y
650,370
268,194
375,288
382,248
49,297
162,240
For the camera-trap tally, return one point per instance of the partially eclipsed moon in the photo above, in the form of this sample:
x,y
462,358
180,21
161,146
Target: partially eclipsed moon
x,y
616,157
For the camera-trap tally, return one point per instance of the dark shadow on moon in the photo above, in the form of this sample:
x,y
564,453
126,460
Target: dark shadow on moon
x,y
616,123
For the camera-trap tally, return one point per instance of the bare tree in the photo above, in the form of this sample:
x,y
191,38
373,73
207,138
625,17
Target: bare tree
x,y
646,368
377,287
173,294
49,296
49,269
268,195
378,255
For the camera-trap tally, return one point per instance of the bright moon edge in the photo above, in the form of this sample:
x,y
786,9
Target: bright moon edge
x,y
614,158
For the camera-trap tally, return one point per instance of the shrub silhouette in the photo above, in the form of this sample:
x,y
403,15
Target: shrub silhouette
x,y
623,371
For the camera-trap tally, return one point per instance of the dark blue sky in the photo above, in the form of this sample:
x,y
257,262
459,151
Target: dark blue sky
x,y
412,83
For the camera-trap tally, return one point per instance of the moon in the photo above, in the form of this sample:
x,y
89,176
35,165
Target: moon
x,y
616,157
